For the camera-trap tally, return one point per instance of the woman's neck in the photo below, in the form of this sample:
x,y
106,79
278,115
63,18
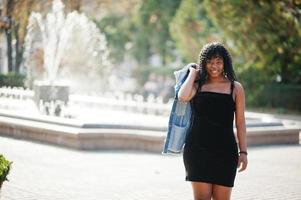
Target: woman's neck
x,y
216,79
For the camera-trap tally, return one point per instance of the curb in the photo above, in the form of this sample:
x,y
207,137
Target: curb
x,y
122,138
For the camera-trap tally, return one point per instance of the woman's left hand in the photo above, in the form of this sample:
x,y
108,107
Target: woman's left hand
x,y
242,162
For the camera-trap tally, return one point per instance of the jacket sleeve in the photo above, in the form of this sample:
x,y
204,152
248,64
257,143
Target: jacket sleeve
x,y
180,76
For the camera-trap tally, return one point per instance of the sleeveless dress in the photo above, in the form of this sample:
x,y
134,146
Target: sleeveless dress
x,y
210,153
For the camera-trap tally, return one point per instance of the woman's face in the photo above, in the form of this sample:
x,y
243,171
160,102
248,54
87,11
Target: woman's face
x,y
215,67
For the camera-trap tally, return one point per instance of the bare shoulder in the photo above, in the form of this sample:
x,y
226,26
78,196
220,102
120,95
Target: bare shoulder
x,y
238,88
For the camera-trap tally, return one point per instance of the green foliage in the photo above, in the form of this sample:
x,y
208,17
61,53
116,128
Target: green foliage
x,y
5,166
117,30
143,32
261,91
285,96
267,33
12,79
151,34
142,73
191,29
263,37
253,80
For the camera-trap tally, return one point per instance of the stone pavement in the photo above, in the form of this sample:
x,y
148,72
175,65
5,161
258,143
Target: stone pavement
x,y
44,172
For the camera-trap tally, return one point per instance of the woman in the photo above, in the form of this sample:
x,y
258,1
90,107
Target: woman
x,y
210,155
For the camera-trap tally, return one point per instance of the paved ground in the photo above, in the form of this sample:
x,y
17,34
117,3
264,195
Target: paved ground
x,y
43,172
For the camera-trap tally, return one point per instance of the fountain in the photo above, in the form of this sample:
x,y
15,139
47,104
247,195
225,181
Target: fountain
x,y
72,46
74,51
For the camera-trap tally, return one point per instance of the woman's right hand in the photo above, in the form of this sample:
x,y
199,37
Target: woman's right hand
x,y
194,68
188,89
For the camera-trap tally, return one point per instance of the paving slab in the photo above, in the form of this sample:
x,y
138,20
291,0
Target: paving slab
x,y
45,172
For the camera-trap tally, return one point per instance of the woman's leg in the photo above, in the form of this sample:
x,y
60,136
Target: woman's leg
x,y
201,191
221,192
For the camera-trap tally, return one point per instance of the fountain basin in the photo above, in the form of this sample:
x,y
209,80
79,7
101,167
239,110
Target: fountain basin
x,y
104,136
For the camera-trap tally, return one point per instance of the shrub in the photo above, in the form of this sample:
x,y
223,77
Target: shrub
x,y
12,80
5,166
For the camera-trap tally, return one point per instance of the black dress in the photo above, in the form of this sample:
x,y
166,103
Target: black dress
x,y
210,152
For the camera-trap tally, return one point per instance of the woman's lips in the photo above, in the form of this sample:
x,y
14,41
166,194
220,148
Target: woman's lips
x,y
214,71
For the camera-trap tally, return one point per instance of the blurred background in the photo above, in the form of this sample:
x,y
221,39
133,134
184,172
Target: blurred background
x,y
86,89
145,41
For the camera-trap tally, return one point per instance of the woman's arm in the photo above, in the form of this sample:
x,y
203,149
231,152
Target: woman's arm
x,y
188,88
241,124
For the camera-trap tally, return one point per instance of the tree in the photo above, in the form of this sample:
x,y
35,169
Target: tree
x,y
6,24
118,31
191,28
266,33
151,35
14,20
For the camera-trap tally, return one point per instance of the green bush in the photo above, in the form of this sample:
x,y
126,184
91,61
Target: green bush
x,y
285,97
281,96
12,80
5,166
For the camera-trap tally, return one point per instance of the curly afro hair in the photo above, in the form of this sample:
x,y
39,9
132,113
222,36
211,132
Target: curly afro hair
x,y
213,50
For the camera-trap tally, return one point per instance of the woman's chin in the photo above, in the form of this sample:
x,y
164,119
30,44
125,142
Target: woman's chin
x,y
215,75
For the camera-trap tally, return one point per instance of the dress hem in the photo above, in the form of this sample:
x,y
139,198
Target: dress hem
x,y
208,181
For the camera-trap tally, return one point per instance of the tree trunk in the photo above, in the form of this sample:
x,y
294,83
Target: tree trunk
x,y
9,49
18,49
284,68
8,33
74,5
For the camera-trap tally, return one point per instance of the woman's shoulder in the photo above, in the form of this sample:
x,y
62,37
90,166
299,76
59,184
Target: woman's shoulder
x,y
238,88
238,85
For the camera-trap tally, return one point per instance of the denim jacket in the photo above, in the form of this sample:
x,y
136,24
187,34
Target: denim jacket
x,y
179,119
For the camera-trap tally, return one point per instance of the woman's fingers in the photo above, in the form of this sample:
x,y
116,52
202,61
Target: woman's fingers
x,y
194,65
243,167
193,69
242,164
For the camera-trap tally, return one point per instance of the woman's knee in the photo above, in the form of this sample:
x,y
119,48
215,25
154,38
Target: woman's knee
x,y
221,192
202,191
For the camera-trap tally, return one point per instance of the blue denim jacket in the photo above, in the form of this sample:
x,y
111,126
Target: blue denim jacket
x,y
180,118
